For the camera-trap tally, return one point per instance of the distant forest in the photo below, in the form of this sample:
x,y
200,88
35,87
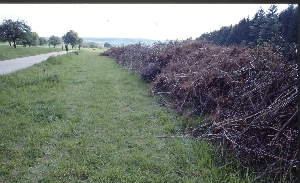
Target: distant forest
x,y
268,27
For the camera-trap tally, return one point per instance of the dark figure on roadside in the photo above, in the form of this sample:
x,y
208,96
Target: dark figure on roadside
x,y
66,47
62,47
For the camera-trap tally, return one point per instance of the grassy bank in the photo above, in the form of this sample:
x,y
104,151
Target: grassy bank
x,y
9,52
82,118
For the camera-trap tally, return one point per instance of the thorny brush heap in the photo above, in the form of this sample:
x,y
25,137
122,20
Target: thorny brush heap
x,y
249,97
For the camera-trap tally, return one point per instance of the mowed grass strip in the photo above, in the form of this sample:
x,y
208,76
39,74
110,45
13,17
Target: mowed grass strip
x,y
80,117
9,52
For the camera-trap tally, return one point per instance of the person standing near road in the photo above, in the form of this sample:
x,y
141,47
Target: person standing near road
x,y
62,47
66,45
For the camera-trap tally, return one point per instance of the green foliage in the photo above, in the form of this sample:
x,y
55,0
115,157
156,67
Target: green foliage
x,y
12,31
239,32
54,40
289,21
31,39
257,23
269,31
72,38
107,45
269,26
79,42
42,41
93,45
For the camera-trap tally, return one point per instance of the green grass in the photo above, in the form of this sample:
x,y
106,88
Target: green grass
x,y
9,52
86,119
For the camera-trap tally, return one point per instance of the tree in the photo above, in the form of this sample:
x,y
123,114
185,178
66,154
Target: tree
x,y
42,41
84,45
71,38
244,28
31,39
54,40
270,29
93,45
11,31
289,21
2,39
255,29
107,45
223,34
239,33
205,36
79,42
281,30
233,35
293,31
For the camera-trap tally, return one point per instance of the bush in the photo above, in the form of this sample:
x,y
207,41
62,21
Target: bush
x,y
249,97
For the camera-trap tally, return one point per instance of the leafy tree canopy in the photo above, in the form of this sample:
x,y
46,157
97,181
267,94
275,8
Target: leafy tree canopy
x,y
72,38
93,45
54,40
12,31
107,45
79,42
42,41
31,39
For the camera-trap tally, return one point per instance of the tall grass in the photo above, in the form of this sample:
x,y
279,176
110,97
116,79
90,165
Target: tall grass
x,y
82,118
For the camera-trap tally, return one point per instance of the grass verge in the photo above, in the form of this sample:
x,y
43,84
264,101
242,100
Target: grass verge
x,y
9,52
86,119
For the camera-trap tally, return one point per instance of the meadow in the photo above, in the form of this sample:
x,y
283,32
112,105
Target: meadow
x,y
80,117
9,52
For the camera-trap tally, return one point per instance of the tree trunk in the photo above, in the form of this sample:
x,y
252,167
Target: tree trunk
x,y
14,41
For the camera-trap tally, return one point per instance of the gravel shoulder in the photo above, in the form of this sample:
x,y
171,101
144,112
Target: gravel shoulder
x,y
9,66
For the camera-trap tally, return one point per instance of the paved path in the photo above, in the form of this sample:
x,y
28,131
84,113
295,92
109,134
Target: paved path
x,y
8,66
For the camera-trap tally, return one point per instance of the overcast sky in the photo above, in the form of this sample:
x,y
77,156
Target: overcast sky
x,y
150,21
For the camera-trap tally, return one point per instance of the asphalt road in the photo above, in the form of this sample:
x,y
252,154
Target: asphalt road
x,y
8,66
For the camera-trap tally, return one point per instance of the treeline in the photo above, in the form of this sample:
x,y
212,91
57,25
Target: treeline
x,y
19,33
96,45
117,41
279,29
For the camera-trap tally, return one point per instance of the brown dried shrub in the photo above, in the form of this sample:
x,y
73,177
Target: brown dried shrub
x,y
249,96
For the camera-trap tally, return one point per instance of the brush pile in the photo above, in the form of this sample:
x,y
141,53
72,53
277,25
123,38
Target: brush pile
x,y
248,95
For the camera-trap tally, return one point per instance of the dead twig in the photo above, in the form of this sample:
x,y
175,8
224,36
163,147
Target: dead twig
x,y
285,125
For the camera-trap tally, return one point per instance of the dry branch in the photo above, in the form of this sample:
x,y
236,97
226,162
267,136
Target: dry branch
x,y
249,96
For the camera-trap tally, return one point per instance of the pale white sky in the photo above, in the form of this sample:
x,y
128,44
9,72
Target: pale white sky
x,y
150,21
